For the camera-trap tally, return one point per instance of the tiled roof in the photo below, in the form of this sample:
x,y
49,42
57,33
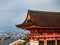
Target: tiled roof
x,y
42,18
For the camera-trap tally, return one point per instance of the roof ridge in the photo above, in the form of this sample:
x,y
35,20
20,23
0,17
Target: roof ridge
x,y
42,11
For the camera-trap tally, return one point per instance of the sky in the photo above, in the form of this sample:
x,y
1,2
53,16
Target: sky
x,y
14,12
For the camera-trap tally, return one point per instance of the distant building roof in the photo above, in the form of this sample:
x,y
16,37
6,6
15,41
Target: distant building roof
x,y
41,18
17,41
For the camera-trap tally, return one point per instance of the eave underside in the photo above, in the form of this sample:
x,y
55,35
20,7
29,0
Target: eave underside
x,y
39,27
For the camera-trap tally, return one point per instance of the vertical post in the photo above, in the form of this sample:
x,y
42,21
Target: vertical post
x,y
34,42
31,41
45,41
55,41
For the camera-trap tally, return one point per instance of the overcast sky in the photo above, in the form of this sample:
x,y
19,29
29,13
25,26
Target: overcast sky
x,y
14,12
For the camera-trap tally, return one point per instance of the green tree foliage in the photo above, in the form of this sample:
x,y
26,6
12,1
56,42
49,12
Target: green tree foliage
x,y
26,40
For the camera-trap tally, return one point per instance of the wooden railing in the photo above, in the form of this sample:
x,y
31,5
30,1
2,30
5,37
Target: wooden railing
x,y
43,35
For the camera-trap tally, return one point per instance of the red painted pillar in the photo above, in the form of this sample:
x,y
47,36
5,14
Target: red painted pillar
x,y
45,42
34,42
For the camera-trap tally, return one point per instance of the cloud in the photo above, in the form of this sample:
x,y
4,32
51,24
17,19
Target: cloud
x,y
35,2
49,5
8,5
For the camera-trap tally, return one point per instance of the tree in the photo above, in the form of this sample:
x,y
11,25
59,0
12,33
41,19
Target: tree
x,y
26,40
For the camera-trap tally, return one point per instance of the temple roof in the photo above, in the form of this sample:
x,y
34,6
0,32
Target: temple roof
x,y
41,18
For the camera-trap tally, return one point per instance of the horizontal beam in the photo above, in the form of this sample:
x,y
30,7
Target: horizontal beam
x,y
40,36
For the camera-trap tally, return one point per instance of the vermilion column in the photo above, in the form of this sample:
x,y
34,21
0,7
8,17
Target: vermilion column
x,y
34,42
55,41
31,41
45,42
